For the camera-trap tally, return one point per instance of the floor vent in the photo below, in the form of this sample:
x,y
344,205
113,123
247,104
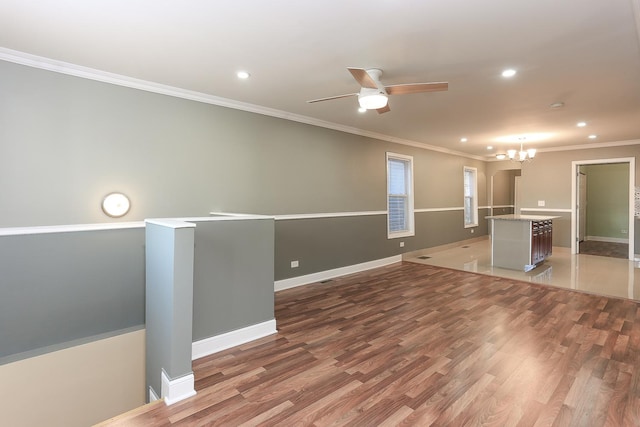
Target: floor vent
x,y
465,247
326,281
424,257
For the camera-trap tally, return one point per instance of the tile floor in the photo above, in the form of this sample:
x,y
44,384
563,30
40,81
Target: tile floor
x,y
589,273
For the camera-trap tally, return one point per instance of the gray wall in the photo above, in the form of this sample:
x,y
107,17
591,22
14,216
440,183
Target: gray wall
x,y
177,158
67,142
233,275
325,243
169,302
548,177
504,187
321,244
607,200
63,289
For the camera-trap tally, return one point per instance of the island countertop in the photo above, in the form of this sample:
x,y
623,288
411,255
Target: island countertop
x,y
517,217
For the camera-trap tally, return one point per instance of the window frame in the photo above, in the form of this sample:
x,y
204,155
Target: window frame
x,y
473,197
410,219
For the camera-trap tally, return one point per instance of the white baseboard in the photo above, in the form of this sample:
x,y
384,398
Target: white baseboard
x,y
227,340
178,389
152,395
607,239
330,274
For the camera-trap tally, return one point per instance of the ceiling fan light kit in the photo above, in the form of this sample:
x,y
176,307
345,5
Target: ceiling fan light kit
x,y
372,101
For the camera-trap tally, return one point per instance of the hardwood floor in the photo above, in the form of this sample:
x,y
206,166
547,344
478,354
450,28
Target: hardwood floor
x,y
413,344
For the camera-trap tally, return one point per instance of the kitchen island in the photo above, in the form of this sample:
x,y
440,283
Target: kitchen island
x,y
520,242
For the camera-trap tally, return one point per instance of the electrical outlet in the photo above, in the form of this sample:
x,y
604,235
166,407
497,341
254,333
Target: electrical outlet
x,y
402,244
295,264
541,203
623,231
472,231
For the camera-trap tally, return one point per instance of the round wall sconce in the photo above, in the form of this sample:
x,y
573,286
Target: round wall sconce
x,y
116,205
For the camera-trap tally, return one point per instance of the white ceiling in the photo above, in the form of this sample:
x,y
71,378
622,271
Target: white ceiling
x,y
584,53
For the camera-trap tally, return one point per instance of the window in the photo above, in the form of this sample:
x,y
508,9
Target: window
x,y
399,195
470,197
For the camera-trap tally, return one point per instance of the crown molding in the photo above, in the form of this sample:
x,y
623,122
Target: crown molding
x,y
62,67
590,146
635,4
579,147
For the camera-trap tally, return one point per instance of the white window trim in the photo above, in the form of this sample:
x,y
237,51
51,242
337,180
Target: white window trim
x,y
410,208
474,206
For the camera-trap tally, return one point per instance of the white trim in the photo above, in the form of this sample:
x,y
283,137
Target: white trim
x,y
461,208
502,206
227,340
544,210
410,192
152,395
239,215
607,239
224,218
327,215
289,217
636,15
178,389
591,146
293,282
580,147
20,231
474,196
48,64
170,223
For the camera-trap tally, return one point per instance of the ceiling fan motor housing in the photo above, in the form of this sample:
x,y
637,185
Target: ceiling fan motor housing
x,y
372,99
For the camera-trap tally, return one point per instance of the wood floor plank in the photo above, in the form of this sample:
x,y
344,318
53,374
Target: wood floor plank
x,y
411,344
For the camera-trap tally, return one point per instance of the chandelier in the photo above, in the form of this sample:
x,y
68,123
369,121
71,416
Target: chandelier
x,y
519,156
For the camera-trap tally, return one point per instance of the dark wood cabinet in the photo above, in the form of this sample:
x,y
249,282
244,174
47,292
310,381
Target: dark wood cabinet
x,y
541,240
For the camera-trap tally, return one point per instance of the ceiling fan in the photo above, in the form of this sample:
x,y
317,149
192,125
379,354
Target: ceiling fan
x,y
374,95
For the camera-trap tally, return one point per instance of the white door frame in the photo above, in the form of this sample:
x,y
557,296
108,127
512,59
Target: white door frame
x,y
631,162
581,206
517,205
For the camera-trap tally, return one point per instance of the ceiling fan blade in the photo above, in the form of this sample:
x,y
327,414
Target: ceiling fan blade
x,y
332,97
416,88
363,78
384,109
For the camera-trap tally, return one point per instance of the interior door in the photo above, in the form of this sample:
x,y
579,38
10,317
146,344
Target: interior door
x,y
582,207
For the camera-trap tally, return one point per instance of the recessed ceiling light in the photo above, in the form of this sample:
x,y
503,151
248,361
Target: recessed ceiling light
x,y
509,73
581,124
463,139
362,110
593,136
243,75
501,156
557,105
489,147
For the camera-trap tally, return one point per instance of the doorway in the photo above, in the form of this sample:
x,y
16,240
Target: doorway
x,y
503,191
580,218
